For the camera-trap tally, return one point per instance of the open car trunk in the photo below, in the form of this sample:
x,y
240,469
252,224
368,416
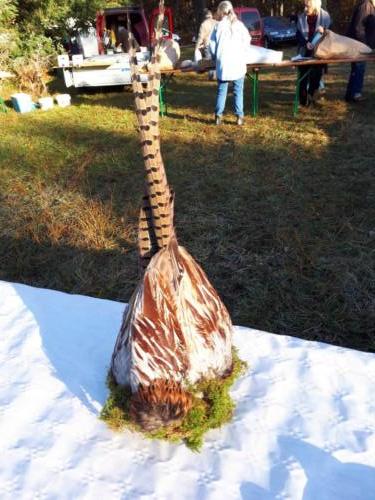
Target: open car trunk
x,y
103,60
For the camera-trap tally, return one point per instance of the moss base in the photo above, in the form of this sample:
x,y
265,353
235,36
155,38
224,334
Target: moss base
x,y
212,408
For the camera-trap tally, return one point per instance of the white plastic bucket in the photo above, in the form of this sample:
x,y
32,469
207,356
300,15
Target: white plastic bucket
x,y
45,103
63,100
22,103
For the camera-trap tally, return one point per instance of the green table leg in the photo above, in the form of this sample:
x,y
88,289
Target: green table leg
x,y
163,109
254,78
298,89
162,103
3,108
255,92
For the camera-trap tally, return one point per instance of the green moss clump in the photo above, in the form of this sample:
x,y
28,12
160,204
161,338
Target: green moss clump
x,y
212,408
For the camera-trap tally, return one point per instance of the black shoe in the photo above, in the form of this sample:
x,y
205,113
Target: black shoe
x,y
355,98
307,101
240,120
358,98
218,120
310,100
303,100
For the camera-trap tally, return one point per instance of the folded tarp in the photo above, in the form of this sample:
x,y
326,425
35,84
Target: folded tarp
x,y
334,46
261,55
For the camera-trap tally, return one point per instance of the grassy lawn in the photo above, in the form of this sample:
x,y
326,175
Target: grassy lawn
x,y
280,213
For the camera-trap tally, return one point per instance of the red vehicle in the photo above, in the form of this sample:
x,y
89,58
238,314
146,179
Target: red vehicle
x,y
100,58
141,27
253,22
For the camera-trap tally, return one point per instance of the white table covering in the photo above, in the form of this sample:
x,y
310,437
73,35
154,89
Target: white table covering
x,y
304,427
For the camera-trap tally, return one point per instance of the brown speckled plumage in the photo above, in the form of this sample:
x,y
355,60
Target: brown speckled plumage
x,y
162,403
176,330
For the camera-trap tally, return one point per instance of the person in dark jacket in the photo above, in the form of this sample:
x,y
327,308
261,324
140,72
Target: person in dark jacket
x,y
361,28
312,21
122,40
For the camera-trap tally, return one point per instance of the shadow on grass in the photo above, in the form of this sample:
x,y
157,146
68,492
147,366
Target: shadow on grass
x,y
190,117
280,217
103,274
180,93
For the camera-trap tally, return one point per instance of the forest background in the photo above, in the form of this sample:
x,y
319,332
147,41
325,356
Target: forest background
x,y
38,27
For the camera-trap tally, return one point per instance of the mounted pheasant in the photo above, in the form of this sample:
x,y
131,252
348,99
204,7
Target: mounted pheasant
x,y
176,331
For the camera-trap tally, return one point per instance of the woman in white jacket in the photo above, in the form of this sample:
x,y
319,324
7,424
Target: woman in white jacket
x,y
229,45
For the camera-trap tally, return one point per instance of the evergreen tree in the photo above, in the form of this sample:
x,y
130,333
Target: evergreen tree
x,y
8,31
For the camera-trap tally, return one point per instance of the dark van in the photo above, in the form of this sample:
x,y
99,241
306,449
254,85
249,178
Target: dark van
x,y
253,22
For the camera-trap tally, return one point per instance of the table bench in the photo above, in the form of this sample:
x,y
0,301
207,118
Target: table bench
x,y
253,72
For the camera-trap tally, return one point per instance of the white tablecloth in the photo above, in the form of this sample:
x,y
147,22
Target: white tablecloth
x,y
304,426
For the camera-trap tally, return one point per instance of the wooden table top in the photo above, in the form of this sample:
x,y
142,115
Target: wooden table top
x,y
282,64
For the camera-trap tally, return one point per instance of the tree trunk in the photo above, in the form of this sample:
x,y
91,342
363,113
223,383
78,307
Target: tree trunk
x,y
199,6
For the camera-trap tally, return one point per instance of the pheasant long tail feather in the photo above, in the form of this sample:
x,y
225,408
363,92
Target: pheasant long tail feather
x,y
156,216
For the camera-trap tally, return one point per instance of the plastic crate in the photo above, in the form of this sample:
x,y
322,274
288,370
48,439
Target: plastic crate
x,y
46,103
22,103
63,100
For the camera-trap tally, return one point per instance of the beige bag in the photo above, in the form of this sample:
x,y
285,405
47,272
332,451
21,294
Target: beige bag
x,y
334,46
169,54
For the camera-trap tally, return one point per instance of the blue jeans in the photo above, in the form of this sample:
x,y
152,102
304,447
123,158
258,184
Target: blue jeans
x,y
356,78
221,96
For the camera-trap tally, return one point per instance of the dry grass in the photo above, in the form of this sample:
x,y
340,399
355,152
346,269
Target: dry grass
x,y
31,73
280,213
